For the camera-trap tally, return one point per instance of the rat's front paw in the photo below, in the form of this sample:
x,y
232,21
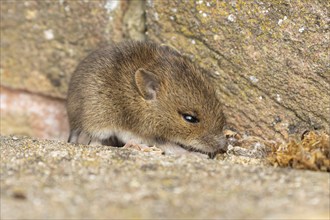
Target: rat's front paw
x,y
142,147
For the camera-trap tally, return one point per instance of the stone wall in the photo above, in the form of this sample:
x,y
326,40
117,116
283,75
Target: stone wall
x,y
42,43
269,59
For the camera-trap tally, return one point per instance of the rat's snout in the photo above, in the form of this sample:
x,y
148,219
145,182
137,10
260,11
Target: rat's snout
x,y
211,144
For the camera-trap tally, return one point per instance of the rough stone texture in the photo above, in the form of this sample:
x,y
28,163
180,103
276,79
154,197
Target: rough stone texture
x,y
48,179
43,41
28,114
269,59
41,45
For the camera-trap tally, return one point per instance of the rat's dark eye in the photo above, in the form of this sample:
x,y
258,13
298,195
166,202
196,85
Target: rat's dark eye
x,y
190,118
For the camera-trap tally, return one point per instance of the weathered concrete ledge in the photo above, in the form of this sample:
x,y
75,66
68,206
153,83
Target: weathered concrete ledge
x,y
48,179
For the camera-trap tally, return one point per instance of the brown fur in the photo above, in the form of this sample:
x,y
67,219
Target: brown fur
x,y
107,92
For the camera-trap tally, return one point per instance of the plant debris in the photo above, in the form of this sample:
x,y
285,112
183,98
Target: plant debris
x,y
312,153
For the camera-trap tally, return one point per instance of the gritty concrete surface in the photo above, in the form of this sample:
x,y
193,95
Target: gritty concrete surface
x,y
48,179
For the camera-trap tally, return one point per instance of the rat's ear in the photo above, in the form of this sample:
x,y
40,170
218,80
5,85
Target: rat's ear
x,y
147,84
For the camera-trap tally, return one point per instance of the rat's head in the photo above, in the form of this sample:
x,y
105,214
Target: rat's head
x,y
181,105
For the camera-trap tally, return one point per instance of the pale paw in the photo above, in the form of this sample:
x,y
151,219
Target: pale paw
x,y
142,147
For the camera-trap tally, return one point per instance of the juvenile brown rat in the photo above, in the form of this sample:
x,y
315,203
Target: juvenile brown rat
x,y
144,93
